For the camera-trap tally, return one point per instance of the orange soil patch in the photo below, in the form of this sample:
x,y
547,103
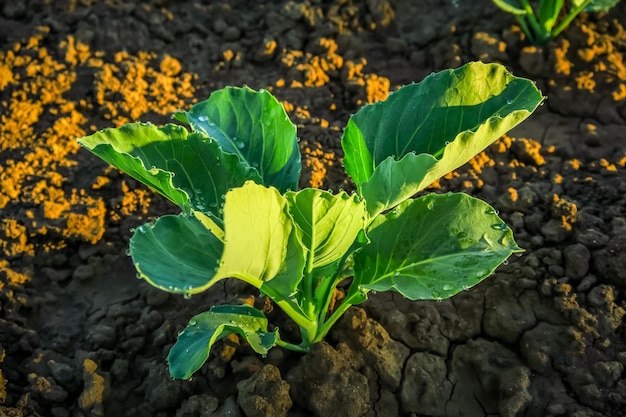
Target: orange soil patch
x,y
39,125
317,161
316,70
609,64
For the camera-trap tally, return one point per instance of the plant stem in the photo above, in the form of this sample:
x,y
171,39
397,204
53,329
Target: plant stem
x,y
568,19
350,300
540,34
302,348
526,29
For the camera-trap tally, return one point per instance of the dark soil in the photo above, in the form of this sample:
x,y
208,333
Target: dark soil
x,y
79,336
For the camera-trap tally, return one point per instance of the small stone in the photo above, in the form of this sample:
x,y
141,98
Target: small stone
x,y
119,369
152,320
533,61
264,394
14,9
528,151
63,373
586,283
91,399
56,275
488,47
577,258
83,273
610,262
556,231
592,238
231,34
228,409
325,383
424,385
608,373
156,297
161,391
219,25
201,405
55,412
47,388
101,336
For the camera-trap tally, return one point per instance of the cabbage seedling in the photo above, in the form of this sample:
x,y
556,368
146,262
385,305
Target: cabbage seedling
x,y
235,173
541,23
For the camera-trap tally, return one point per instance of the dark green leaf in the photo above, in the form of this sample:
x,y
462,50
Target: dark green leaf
x,y
178,254
433,247
396,148
194,343
600,5
189,169
254,126
548,13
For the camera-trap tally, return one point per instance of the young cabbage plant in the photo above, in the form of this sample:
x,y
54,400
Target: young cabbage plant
x,y
235,174
541,22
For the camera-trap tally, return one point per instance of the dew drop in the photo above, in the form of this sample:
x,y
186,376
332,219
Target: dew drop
x,y
127,252
187,295
509,101
241,145
501,226
192,322
203,118
447,287
447,142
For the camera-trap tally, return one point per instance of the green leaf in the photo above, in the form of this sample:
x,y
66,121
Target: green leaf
x,y
433,247
510,6
194,343
548,13
396,148
255,127
259,246
187,168
178,254
599,5
328,223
